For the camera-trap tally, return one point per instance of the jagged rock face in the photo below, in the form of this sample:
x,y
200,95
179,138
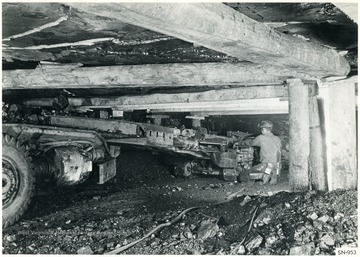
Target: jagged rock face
x,y
118,43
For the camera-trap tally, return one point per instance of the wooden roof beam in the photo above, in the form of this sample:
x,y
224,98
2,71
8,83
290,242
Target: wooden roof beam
x,y
243,106
143,101
223,29
149,75
244,112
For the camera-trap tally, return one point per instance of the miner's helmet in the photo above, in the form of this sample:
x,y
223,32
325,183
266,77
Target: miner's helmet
x,y
266,124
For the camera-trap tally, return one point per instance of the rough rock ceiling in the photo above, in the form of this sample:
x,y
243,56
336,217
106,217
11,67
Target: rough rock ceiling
x,y
121,43
59,33
321,23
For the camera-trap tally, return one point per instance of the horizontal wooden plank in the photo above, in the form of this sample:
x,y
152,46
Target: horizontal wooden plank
x,y
221,28
243,112
111,126
151,75
245,92
245,105
269,110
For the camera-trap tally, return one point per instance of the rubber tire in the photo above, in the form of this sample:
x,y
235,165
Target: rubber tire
x,y
181,170
229,178
16,153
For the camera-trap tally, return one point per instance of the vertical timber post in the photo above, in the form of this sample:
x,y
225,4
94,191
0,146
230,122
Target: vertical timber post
x,y
117,113
298,135
157,118
340,131
195,120
316,159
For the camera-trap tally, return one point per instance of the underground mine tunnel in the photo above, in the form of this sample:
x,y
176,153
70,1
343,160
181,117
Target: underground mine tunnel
x,y
179,128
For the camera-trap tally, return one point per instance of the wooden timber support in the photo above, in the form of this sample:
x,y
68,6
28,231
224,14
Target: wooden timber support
x,y
298,135
195,120
239,100
117,113
241,112
148,75
223,29
157,119
338,102
243,106
317,158
244,92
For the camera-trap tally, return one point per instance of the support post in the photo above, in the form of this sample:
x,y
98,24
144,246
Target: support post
x,y
195,120
298,135
316,159
157,119
102,113
339,103
117,113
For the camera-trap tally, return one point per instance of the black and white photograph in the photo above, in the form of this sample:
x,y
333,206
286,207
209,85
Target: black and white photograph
x,y
180,128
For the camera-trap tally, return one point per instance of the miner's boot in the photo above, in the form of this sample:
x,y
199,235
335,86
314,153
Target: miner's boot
x,y
275,174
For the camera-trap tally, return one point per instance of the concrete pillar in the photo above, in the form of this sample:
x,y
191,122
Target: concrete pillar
x,y
298,135
339,114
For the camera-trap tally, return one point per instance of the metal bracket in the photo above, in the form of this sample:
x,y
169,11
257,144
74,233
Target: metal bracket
x,y
107,170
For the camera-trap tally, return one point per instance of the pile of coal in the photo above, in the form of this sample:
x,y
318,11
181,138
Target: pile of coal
x,y
309,223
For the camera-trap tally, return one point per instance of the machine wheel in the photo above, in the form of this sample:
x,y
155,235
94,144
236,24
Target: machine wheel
x,y
230,175
183,170
18,180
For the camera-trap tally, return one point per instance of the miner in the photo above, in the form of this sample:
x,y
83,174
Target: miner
x,y
270,152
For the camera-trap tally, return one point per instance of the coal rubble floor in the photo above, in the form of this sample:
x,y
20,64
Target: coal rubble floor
x,y
96,219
